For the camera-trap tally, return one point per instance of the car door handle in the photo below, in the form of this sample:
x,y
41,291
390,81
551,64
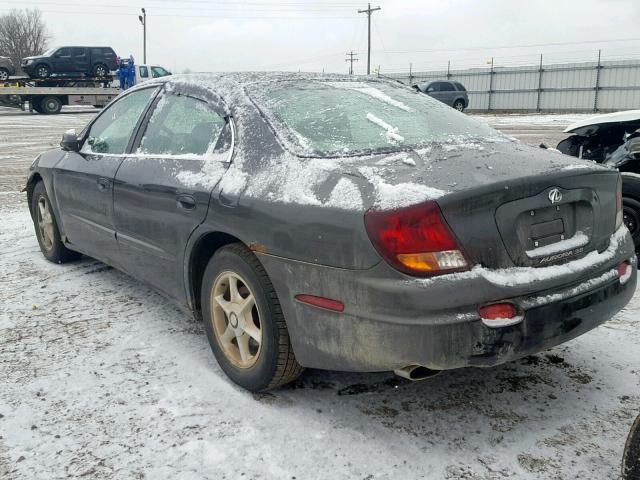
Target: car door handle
x,y
104,184
186,202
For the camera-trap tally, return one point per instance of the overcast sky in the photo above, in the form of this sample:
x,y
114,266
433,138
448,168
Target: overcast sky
x,y
209,35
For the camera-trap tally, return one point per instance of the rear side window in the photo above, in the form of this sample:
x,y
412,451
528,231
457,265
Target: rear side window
x,y
111,132
181,125
459,86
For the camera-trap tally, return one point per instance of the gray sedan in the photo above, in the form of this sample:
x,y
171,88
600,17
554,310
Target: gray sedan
x,y
328,222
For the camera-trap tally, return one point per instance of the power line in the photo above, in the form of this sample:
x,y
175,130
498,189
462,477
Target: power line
x,y
352,58
369,11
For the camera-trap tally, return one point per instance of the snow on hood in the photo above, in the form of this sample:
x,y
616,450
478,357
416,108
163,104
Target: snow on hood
x,y
616,117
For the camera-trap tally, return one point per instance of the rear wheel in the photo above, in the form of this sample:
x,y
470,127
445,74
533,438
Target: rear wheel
x,y
42,71
244,321
100,70
46,227
4,74
50,105
459,105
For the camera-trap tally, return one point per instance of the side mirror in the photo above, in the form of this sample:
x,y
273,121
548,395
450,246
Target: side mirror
x,y
70,142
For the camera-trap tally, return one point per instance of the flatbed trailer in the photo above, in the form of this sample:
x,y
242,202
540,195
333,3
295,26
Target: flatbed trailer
x,y
48,96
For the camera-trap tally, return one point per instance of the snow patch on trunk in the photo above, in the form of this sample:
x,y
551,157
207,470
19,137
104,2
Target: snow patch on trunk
x,y
389,197
345,195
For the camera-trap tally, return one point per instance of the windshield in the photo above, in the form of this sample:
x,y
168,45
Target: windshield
x,y
348,117
49,52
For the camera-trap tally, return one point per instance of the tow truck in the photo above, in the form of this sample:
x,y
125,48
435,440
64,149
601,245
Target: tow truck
x,y
48,96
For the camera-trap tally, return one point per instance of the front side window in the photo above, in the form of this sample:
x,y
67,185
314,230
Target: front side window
x,y
64,52
144,72
111,132
182,125
321,118
159,72
78,52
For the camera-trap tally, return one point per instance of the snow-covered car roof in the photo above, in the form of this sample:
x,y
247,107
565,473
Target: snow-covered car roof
x,y
616,117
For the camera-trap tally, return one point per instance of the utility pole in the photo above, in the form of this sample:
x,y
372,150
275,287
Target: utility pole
x,y
352,58
143,21
369,11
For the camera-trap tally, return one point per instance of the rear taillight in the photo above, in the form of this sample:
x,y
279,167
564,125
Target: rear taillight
x,y
415,240
619,204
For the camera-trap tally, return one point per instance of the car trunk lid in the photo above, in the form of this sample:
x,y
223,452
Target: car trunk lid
x,y
512,205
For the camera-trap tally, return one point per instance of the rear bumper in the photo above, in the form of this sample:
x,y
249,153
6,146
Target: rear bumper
x,y
389,324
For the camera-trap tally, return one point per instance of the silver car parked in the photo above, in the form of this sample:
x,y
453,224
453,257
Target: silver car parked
x,y
452,93
6,69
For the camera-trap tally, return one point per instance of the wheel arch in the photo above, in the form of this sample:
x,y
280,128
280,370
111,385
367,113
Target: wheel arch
x,y
31,185
197,258
464,101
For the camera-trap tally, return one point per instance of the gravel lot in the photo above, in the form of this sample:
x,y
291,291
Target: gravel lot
x,y
104,378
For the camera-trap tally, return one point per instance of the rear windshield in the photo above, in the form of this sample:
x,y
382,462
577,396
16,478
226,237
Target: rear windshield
x,y
322,118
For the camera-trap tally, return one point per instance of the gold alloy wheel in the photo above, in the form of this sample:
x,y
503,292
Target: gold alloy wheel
x,y
236,320
45,223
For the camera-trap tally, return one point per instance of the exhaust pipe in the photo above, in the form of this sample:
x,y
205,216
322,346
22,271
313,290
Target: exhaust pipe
x,y
416,372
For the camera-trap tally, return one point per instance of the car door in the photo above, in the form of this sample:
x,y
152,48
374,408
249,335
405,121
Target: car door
x,y
83,180
433,90
448,92
80,59
62,61
162,191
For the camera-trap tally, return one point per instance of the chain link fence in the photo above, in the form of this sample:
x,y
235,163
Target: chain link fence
x,y
602,86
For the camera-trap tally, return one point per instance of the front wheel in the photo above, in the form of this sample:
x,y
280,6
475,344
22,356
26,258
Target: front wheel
x,y
631,456
631,206
46,227
244,321
459,105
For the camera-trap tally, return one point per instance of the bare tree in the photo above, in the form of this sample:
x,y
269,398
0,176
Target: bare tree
x,y
22,34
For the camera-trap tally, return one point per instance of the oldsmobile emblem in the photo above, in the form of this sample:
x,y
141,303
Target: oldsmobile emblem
x,y
555,195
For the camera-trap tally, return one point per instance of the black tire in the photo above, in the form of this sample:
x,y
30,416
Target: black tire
x,y
50,105
459,105
51,247
100,70
275,363
631,456
4,74
42,71
631,206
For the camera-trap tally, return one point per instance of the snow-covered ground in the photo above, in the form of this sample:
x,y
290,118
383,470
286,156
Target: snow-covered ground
x,y
104,378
